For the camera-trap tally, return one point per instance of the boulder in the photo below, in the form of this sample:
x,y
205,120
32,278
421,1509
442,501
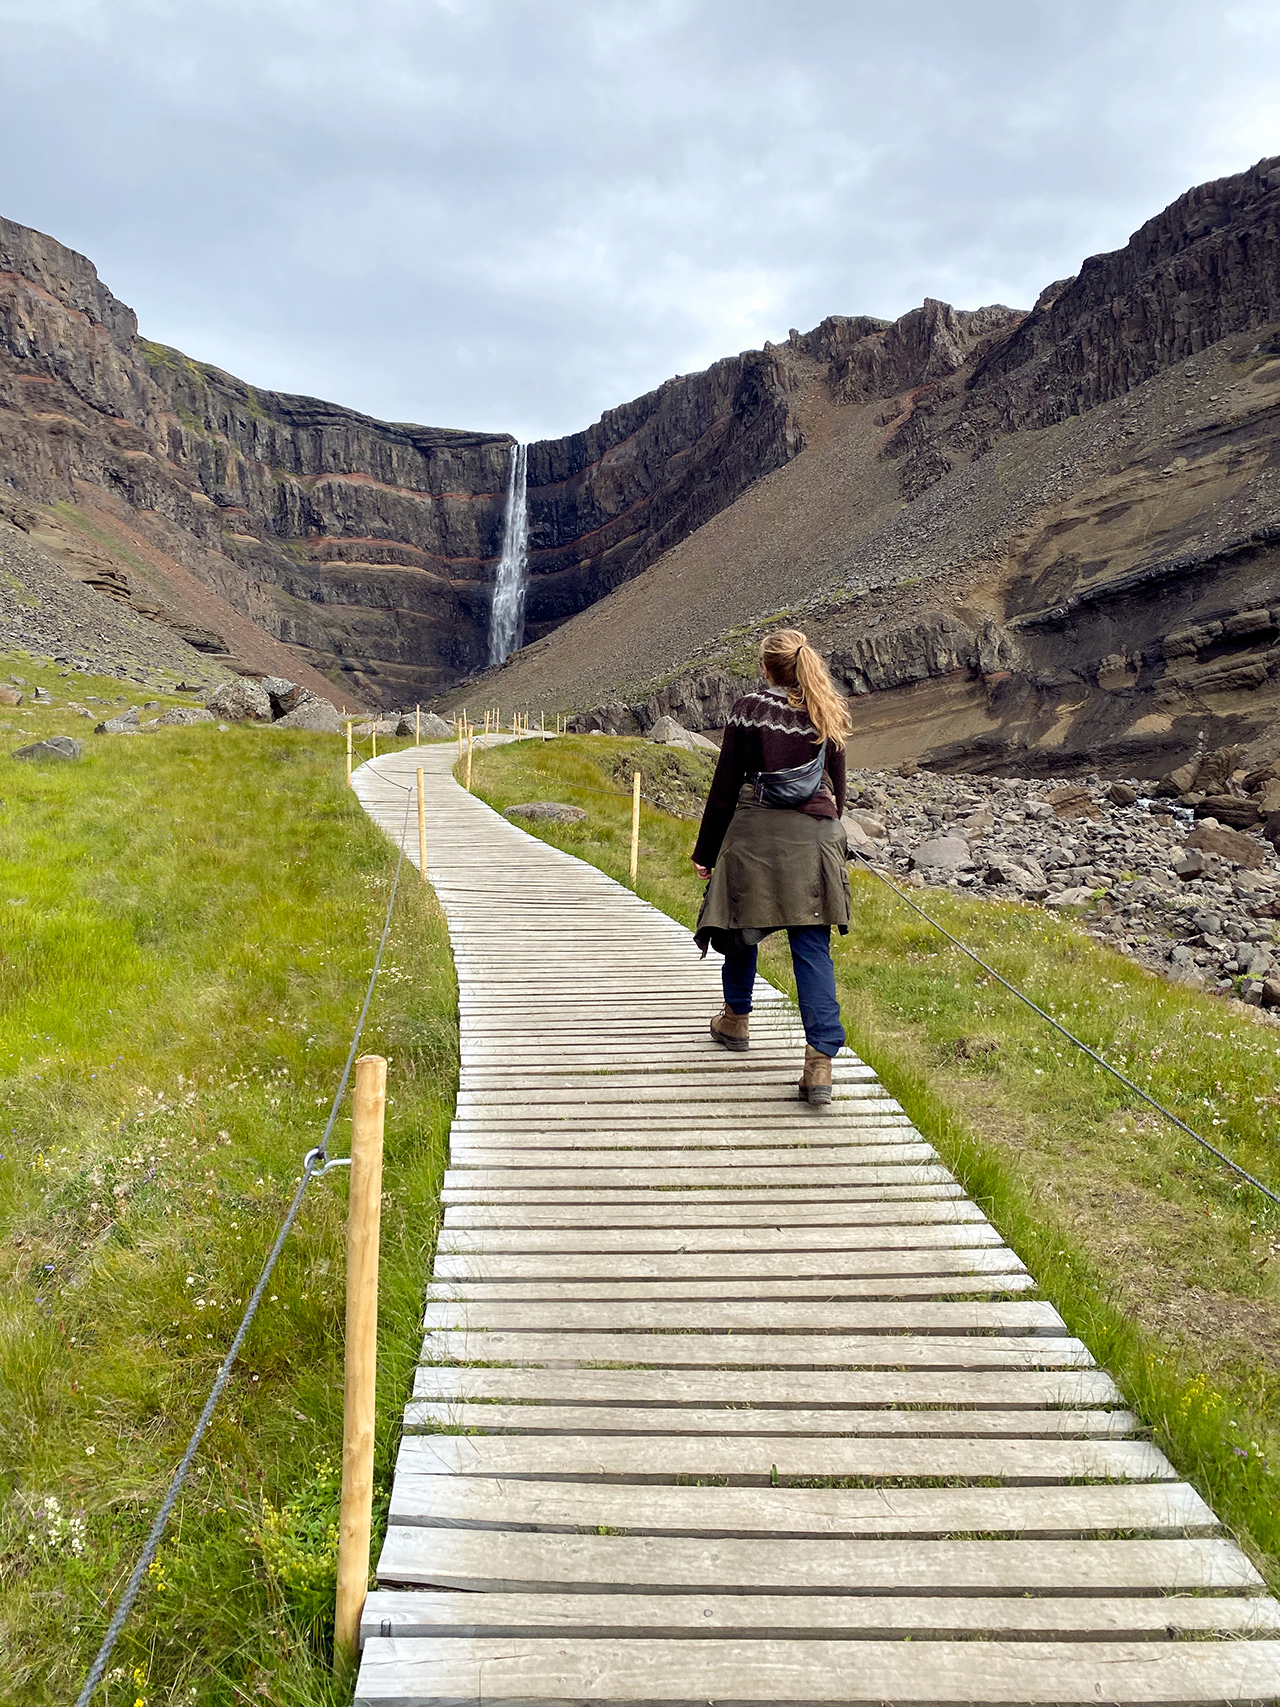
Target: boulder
x,y
56,747
181,716
945,854
125,724
859,841
866,822
1073,802
1271,993
10,696
284,695
1080,896
1227,844
546,812
1193,864
1022,873
1229,809
435,728
240,701
1180,781
1254,958
1122,794
908,768
1269,797
1216,769
666,732
977,822
314,714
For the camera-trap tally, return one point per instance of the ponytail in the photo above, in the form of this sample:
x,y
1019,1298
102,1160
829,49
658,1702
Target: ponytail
x,y
790,661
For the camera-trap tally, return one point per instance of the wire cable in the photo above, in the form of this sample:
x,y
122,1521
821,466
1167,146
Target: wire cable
x,y
1070,1036
314,1166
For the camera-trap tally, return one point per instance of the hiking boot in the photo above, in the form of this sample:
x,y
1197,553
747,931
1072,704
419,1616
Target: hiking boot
x,y
815,1083
730,1028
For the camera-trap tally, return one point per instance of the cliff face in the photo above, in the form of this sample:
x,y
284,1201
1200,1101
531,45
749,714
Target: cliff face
x,y
1067,552
368,547
607,502
364,545
1003,526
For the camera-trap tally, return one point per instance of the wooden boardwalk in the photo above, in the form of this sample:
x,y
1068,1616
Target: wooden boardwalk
x,y
724,1400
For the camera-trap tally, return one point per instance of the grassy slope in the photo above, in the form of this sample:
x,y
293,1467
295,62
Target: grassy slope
x,y
1167,1269
187,921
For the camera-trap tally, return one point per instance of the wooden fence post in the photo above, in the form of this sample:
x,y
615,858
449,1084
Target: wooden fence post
x,y
348,752
635,825
364,1216
469,745
373,736
417,725
422,831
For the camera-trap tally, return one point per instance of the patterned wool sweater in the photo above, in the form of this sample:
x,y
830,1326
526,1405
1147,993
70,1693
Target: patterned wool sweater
x,y
764,733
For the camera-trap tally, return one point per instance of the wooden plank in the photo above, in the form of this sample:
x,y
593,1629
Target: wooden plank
x,y
804,1240
777,1316
684,1088
692,1177
427,1416
596,1202
1049,1513
817,1617
760,1351
832,1139
794,1268
744,1460
724,1212
531,1165
505,1561
776,1389
897,1289
541,1671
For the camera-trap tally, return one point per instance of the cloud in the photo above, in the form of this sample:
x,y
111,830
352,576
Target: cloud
x,y
514,214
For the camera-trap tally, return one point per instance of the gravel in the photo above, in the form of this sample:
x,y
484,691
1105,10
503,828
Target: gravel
x,y
1214,928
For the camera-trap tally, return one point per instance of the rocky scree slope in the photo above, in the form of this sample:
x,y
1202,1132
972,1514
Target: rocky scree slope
x,y
1160,876
1050,542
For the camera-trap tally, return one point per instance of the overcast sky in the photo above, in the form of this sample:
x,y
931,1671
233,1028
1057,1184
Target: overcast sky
x,y
513,214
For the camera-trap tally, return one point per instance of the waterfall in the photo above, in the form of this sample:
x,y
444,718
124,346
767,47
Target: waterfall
x,y
506,622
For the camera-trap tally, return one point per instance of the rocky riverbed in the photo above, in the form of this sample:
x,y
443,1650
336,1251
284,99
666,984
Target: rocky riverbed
x,y
1166,881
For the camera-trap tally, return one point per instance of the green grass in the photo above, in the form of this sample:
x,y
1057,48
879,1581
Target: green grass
x,y
187,921
1164,1263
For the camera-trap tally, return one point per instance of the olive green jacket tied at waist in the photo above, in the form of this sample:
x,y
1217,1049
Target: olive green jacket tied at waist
x,y
776,867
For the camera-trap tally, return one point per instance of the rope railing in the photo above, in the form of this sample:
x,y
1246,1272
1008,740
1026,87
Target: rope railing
x,y
316,1163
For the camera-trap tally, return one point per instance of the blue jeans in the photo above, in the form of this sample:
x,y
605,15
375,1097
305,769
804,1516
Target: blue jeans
x,y
815,984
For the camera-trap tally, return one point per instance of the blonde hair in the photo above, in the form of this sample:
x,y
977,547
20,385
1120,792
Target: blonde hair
x,y
790,662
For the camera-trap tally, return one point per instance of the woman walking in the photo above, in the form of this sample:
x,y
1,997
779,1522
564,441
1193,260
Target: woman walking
x,y
774,850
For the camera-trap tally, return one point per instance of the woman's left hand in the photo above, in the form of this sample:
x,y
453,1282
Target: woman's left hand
x,y
703,871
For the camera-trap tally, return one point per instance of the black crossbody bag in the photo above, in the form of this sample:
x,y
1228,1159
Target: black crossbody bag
x,y
794,787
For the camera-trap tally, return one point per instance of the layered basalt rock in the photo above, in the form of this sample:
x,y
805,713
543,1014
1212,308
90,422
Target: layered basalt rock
x,y
1083,570
1055,576
607,502
370,547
